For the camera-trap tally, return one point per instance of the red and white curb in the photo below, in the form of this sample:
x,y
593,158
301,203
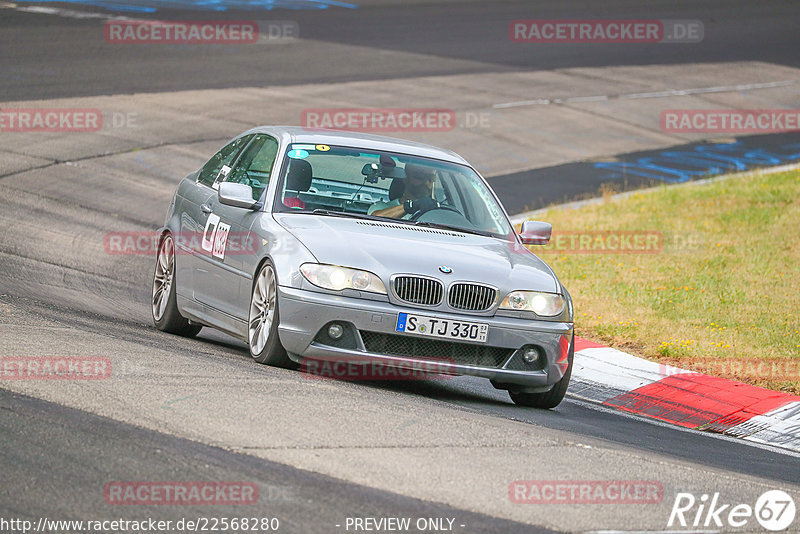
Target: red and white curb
x,y
616,379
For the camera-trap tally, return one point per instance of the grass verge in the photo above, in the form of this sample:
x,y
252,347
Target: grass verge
x,y
713,285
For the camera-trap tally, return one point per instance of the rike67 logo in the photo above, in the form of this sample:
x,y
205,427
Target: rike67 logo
x,y
774,511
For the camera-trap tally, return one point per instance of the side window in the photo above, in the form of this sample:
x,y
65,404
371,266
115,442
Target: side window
x,y
224,158
255,165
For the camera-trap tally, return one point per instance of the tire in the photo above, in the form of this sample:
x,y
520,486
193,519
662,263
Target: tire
x,y
164,305
552,398
263,320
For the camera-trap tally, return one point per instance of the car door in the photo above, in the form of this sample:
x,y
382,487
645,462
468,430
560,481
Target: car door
x,y
223,281
195,210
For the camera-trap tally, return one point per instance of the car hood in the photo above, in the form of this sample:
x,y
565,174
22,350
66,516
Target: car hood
x,y
386,248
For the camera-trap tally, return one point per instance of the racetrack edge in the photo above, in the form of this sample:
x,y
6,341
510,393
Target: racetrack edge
x,y
618,380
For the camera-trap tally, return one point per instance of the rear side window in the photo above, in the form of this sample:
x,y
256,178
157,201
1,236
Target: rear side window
x,y
224,158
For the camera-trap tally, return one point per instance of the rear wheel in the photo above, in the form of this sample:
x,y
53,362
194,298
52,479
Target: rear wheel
x,y
552,398
262,325
164,302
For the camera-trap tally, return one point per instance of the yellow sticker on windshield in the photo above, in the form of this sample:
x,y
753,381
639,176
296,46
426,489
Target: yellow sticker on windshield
x,y
323,148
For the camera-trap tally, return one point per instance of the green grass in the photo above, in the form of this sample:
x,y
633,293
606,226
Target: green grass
x,y
723,294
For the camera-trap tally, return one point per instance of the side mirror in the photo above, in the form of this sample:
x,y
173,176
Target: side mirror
x,y
237,195
535,233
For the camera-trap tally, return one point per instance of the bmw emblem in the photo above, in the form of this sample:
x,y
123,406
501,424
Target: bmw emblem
x,y
445,269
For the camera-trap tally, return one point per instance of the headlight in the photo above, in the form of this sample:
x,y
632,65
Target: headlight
x,y
544,304
337,278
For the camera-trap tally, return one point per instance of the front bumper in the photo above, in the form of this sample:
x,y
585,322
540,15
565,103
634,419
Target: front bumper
x,y
305,315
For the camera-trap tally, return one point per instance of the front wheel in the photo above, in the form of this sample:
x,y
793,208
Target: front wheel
x,y
164,302
552,398
262,324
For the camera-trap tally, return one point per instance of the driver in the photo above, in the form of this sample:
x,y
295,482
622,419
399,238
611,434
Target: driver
x,y
417,195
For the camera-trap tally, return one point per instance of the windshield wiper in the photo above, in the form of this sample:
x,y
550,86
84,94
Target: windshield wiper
x,y
320,211
456,228
348,215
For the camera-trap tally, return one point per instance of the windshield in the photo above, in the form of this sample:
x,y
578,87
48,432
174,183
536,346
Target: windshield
x,y
415,190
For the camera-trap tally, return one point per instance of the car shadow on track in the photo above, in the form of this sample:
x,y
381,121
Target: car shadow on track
x,y
464,391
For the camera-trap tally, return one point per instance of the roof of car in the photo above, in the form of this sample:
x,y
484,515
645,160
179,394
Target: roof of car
x,y
299,134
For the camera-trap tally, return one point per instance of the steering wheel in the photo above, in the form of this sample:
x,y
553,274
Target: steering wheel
x,y
443,207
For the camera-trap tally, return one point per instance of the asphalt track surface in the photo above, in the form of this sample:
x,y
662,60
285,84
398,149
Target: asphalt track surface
x,y
55,460
311,502
67,58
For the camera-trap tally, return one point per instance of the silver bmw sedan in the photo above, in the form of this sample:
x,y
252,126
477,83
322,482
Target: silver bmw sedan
x,y
331,250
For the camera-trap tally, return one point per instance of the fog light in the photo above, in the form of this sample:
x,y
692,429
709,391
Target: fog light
x,y
530,355
335,331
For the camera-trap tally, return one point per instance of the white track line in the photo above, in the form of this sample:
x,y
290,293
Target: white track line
x,y
652,94
62,12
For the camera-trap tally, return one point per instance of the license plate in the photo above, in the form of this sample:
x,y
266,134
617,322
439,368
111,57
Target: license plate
x,y
424,325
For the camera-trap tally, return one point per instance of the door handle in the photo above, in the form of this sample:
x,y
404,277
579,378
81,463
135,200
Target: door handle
x,y
205,208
